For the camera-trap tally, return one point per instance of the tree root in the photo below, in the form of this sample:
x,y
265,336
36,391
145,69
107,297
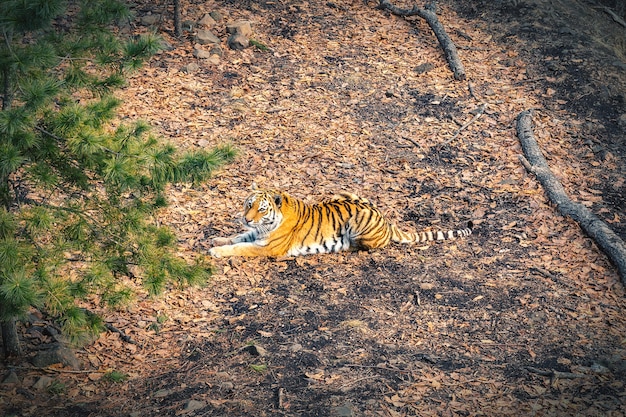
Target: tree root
x,y
599,231
428,14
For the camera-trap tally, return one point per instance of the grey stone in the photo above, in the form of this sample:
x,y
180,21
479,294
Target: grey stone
x,y
188,25
621,121
343,410
150,19
57,354
238,42
217,16
240,27
11,378
228,386
201,53
162,393
217,50
207,21
194,405
43,382
191,67
213,59
204,37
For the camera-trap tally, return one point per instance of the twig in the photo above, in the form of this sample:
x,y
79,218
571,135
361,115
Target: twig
x,y
123,336
479,112
354,365
470,87
615,16
534,162
347,384
428,14
415,143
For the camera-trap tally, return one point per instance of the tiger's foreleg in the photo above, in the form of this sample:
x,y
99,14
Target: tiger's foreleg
x,y
244,237
240,249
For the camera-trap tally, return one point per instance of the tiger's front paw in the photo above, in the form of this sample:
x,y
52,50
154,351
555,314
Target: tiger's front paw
x,y
214,252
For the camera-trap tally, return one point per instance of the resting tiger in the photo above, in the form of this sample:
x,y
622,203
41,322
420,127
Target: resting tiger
x,y
279,224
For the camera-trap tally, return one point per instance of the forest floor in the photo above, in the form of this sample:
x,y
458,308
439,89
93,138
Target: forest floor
x,y
523,318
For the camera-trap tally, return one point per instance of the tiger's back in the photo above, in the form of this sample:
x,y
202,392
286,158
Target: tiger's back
x,y
279,224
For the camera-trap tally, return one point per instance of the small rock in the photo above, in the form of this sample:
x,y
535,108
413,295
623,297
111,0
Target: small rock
x,y
256,350
240,27
423,68
188,25
343,411
204,37
207,21
191,67
217,16
166,46
621,121
296,347
162,393
194,405
599,369
57,354
238,42
11,378
150,20
213,59
228,386
217,50
203,54
43,382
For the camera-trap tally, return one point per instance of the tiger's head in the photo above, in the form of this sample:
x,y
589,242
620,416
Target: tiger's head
x,y
262,210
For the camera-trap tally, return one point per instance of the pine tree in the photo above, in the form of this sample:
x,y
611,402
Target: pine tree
x,y
77,196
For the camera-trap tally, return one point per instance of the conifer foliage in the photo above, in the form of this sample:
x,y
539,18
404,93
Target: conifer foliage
x,y
77,195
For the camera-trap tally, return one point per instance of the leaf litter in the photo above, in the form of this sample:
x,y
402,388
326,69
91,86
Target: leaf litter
x,y
446,329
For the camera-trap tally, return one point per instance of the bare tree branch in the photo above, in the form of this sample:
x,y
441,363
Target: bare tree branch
x,y
428,14
611,244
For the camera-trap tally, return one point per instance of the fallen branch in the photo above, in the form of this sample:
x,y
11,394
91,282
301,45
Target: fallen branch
x,y
615,17
535,163
428,14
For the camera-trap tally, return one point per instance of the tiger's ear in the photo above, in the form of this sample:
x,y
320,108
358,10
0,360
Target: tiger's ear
x,y
254,186
278,200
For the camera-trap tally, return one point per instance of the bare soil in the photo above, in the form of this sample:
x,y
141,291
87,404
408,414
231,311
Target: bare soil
x,y
525,317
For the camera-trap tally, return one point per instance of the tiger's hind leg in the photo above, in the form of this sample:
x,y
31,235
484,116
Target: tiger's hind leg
x,y
368,229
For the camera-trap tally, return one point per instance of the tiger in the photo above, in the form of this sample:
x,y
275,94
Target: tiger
x,y
279,224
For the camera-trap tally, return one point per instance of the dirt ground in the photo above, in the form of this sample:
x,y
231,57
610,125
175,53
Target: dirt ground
x,y
523,318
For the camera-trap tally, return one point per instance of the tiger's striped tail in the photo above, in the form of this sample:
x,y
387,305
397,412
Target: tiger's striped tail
x,y
399,236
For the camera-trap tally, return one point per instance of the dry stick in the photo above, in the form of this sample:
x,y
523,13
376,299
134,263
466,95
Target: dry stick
x,y
607,240
615,17
428,14
479,112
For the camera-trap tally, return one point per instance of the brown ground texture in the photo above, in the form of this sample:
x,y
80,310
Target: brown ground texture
x,y
523,318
